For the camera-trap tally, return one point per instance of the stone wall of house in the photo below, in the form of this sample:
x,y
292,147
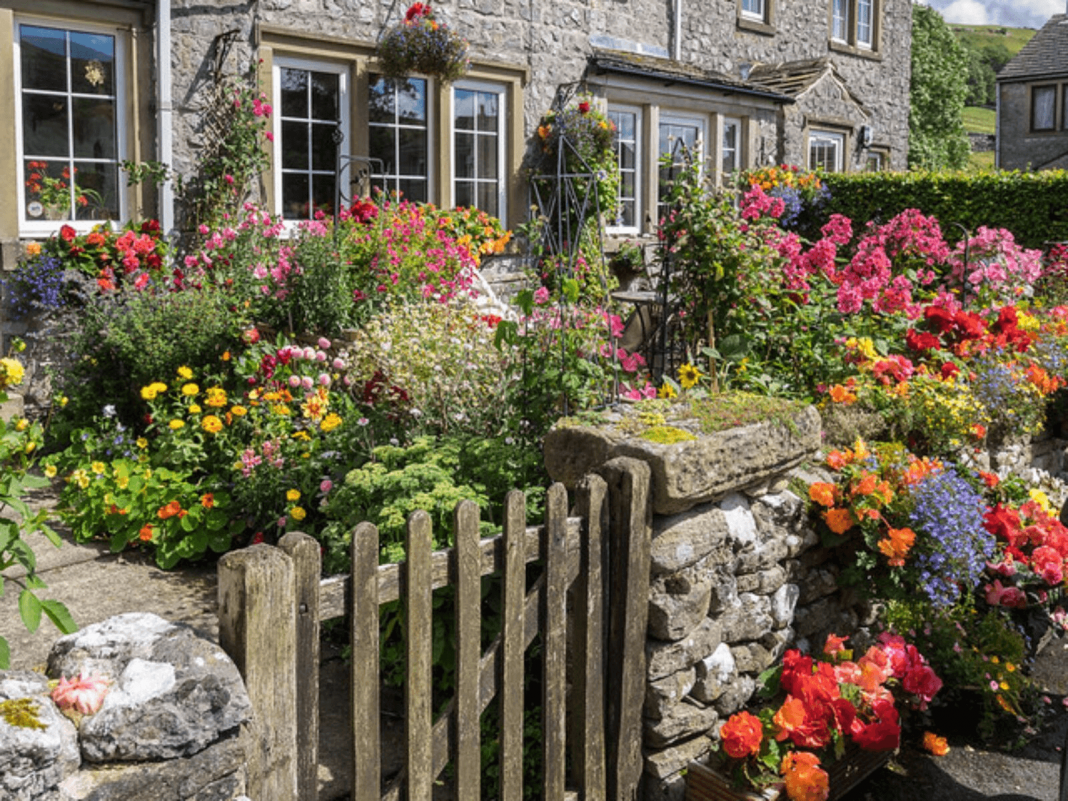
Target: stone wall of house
x,y
176,715
737,574
1018,148
713,39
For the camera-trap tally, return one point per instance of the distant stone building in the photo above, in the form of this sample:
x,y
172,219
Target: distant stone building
x,y
1032,102
88,84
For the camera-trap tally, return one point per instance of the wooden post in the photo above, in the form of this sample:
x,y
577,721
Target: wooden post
x,y
468,650
364,619
630,516
586,710
419,687
513,646
554,645
307,571
257,628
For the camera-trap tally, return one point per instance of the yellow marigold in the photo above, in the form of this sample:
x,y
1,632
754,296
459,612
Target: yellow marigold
x,y
98,467
211,424
238,411
293,495
297,513
330,422
189,390
176,424
142,442
159,386
13,372
81,478
185,373
194,408
216,396
148,393
50,471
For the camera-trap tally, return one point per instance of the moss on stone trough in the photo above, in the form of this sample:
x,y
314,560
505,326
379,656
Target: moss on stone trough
x,y
22,712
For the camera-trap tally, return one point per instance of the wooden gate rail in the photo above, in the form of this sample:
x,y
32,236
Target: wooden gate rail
x,y
261,629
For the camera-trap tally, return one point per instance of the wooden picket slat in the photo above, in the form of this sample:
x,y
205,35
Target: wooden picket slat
x,y
307,566
554,646
419,683
364,619
513,646
586,718
468,650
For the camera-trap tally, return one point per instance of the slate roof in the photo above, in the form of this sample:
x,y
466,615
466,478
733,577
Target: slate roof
x,y
674,72
1045,56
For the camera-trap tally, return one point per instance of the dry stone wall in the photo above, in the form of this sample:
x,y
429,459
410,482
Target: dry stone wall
x,y
737,574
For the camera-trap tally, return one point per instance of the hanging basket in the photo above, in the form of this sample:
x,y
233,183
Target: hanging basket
x,y
706,784
420,44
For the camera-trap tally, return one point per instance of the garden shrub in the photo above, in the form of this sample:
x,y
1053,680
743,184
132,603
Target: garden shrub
x,y
1031,205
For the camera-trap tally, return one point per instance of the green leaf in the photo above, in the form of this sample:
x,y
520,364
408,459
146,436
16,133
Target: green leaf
x,y
30,610
59,615
52,536
5,654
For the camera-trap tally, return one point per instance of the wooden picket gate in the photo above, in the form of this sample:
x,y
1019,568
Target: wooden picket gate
x,y
589,606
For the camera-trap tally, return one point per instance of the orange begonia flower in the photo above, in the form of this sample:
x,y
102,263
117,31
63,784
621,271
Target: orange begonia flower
x,y
741,735
935,744
805,779
839,520
822,493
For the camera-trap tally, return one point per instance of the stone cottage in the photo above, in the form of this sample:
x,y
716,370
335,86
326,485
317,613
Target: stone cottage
x,y
89,84
1032,102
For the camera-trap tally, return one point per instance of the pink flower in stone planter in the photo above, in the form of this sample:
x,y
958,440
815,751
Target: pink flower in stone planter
x,y
84,694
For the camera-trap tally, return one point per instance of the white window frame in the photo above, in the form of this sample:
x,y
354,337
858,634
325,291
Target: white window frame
x,y
865,28
280,62
638,168
42,228
736,161
501,90
681,119
392,181
840,20
1052,90
819,136
758,10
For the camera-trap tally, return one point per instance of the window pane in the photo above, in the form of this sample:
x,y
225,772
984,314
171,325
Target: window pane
x,y
382,147
1043,99
323,193
840,20
463,105
294,93
92,68
43,58
487,112
96,191
825,151
487,198
465,193
44,125
464,156
487,157
730,147
94,129
412,159
753,8
411,101
294,146
324,151
380,103
1064,109
47,189
295,196
414,190
324,97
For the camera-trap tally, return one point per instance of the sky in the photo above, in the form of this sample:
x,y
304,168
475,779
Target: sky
x,y
1011,13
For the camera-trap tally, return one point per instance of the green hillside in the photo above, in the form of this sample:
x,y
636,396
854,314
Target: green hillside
x,y
979,120
979,36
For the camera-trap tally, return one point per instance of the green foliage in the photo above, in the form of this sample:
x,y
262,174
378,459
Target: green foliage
x,y
1031,205
937,92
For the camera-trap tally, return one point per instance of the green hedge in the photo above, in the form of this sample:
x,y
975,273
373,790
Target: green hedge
x,y
1033,205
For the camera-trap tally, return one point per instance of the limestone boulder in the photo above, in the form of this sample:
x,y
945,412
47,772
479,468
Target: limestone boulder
x,y
173,693
34,758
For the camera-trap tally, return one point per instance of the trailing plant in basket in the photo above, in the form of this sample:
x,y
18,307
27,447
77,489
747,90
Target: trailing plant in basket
x,y
419,43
